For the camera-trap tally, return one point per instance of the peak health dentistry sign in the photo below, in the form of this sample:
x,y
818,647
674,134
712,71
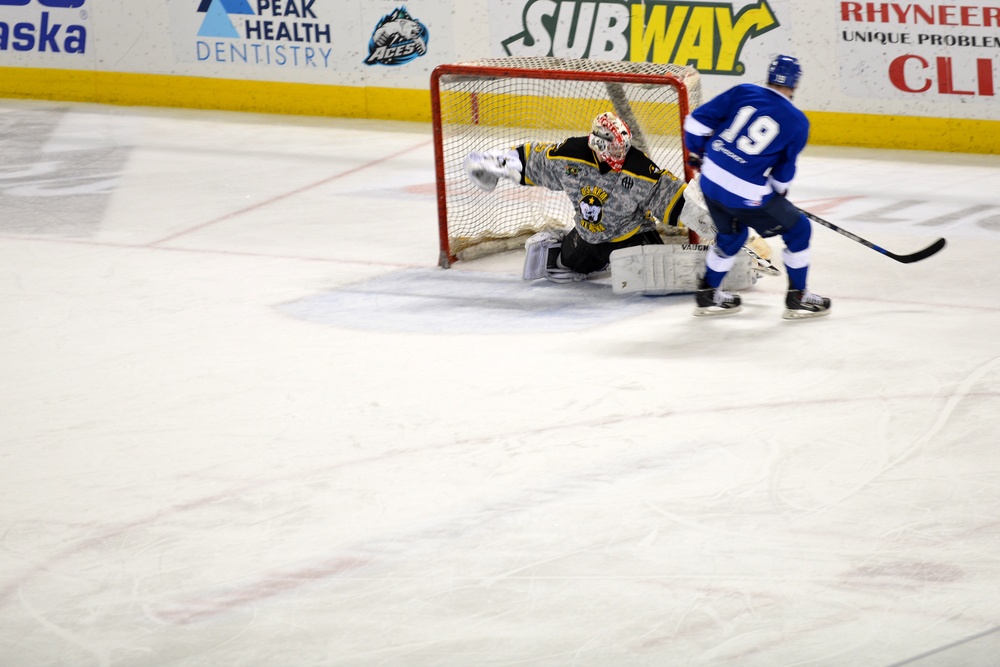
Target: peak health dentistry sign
x,y
264,33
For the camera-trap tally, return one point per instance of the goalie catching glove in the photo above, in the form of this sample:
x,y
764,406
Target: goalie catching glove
x,y
694,215
486,168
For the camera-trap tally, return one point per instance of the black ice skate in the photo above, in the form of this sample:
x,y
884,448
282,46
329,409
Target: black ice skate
x,y
713,301
800,304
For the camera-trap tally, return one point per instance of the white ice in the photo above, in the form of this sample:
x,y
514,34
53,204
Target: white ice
x,y
245,420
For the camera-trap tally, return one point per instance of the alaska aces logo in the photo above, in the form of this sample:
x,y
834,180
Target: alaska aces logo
x,y
398,39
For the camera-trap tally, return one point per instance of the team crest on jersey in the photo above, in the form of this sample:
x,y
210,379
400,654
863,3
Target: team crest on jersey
x,y
628,182
592,208
398,39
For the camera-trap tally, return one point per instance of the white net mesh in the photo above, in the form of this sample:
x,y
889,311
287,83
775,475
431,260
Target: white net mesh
x,y
501,102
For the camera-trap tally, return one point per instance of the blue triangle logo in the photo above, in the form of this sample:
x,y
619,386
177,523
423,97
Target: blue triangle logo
x,y
217,23
237,6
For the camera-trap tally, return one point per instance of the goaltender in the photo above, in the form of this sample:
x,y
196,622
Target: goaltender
x,y
619,195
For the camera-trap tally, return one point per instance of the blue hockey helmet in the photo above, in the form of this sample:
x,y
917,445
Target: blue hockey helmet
x,y
784,71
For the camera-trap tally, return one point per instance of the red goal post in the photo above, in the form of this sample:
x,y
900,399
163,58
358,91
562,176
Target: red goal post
x,y
497,103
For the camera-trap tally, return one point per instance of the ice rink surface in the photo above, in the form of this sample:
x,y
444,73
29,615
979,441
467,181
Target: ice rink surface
x,y
246,420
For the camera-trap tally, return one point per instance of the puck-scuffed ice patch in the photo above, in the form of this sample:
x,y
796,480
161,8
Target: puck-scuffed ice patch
x,y
452,302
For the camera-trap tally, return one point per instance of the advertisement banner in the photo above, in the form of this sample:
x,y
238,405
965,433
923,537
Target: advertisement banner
x,y
264,34
926,52
50,31
725,41
308,40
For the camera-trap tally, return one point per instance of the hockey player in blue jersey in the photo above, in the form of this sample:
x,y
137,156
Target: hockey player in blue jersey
x,y
745,143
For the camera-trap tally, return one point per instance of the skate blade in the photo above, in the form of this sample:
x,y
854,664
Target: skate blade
x,y
715,311
804,314
563,278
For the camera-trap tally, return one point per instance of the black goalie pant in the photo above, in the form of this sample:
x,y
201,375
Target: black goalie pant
x,y
584,257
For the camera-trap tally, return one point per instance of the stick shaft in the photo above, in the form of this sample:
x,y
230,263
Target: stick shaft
x,y
905,259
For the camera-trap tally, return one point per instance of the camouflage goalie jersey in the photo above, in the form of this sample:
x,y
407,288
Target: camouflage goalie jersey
x,y
610,206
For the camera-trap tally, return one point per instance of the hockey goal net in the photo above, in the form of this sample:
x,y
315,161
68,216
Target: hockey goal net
x,y
501,102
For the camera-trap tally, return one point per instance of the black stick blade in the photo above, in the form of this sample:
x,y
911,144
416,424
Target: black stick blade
x,y
932,249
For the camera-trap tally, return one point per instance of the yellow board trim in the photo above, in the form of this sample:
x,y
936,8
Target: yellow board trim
x,y
828,128
162,90
954,135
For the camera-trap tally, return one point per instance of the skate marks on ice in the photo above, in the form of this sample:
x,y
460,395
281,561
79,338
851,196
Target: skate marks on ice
x,y
883,215
60,169
504,496
457,302
980,649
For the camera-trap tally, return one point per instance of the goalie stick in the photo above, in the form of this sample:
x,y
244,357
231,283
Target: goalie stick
x,y
905,259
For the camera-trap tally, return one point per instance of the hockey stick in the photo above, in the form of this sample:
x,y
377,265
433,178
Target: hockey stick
x,y
905,259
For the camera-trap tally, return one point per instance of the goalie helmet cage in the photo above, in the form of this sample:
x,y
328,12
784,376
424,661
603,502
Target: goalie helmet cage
x,y
497,103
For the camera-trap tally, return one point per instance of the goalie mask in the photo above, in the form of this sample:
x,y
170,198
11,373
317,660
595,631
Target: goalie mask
x,y
610,140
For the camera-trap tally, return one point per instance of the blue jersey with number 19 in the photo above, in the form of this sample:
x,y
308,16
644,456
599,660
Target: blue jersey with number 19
x,y
749,138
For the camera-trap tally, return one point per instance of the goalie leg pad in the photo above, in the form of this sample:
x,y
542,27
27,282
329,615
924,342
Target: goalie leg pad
x,y
656,270
536,255
541,258
743,275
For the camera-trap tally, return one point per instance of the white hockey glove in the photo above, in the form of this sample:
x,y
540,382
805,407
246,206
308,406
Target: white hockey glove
x,y
485,169
779,188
